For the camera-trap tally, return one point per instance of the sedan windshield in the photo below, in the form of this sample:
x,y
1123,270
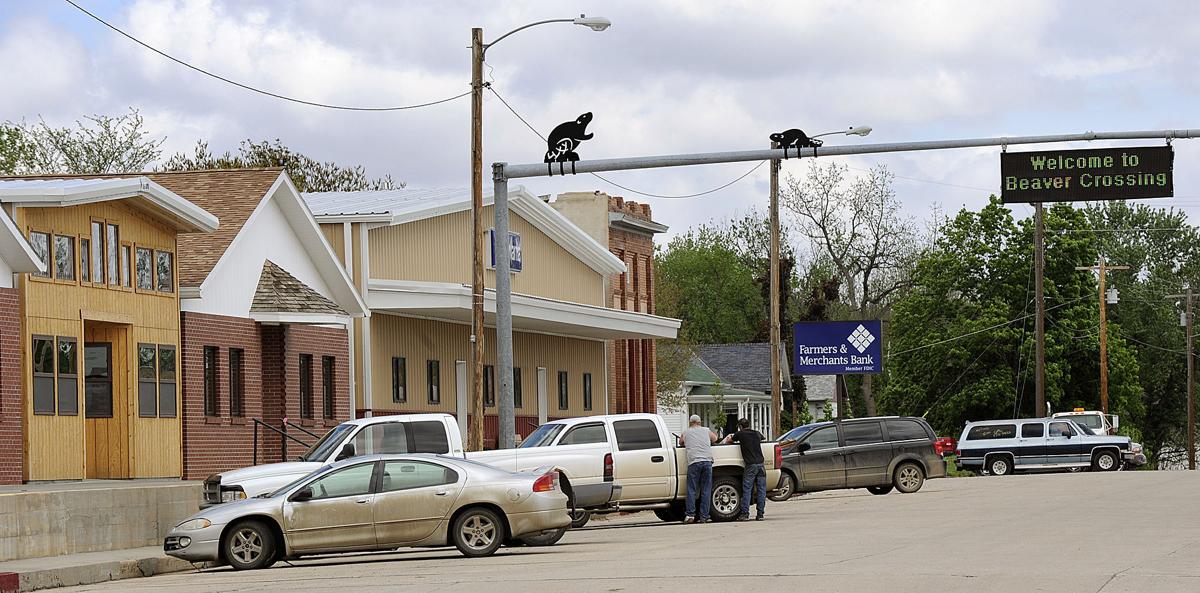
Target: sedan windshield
x,y
542,437
324,447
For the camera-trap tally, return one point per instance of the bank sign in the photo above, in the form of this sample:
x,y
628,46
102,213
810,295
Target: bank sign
x,y
838,348
514,251
1085,175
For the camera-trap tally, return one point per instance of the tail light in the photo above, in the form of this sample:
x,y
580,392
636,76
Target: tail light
x,y
957,453
608,467
546,483
778,456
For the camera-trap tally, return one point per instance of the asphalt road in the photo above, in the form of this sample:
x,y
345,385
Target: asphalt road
x,y
1111,533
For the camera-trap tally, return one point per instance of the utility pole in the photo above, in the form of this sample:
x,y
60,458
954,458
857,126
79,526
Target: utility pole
x,y
475,428
776,387
1039,297
1102,268
1191,378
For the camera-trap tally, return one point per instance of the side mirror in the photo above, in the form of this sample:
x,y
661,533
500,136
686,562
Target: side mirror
x,y
346,453
303,494
1067,434
802,447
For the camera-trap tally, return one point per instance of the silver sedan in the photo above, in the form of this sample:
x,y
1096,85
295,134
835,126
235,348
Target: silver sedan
x,y
379,502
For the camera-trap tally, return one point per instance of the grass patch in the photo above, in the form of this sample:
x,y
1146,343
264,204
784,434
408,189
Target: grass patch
x,y
952,470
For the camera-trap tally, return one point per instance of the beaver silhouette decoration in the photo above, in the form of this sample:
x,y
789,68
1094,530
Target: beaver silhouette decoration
x,y
795,138
563,140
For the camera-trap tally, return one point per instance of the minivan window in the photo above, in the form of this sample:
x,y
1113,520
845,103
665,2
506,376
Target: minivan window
x,y
906,430
542,437
635,435
1031,431
824,438
586,434
994,431
862,433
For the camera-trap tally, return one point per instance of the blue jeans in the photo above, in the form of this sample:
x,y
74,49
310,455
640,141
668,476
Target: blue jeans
x,y
755,476
699,479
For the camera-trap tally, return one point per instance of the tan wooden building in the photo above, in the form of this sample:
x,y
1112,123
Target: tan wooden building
x,y
408,252
99,329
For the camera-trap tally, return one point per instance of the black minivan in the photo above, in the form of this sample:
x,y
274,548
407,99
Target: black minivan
x,y
878,454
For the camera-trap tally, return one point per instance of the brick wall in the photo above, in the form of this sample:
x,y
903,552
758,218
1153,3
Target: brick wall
x,y
271,374
12,456
631,381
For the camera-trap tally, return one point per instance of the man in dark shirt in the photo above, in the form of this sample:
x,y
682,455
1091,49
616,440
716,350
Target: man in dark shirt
x,y
755,475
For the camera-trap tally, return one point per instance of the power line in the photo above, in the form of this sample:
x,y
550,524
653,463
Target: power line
x,y
613,183
979,331
253,89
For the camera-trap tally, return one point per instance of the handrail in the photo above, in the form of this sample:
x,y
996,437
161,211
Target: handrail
x,y
302,429
282,433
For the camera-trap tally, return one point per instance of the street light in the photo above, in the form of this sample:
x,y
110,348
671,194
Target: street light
x,y
776,380
504,351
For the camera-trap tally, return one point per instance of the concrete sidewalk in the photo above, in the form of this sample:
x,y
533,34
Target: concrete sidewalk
x,y
31,574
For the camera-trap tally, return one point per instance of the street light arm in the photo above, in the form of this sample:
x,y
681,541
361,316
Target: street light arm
x,y
522,28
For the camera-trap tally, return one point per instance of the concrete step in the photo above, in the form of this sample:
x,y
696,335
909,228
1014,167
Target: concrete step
x,y
31,574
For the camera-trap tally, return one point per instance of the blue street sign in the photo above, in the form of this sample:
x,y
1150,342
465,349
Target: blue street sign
x,y
838,348
514,250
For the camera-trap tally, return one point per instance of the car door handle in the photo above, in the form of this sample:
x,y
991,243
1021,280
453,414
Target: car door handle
x,y
363,500
657,459
441,493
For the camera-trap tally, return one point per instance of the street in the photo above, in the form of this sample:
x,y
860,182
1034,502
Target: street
x,y
1087,532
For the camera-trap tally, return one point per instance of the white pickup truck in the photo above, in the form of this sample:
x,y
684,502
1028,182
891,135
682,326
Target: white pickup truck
x,y
608,463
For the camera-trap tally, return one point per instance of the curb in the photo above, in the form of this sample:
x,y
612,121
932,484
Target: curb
x,y
87,574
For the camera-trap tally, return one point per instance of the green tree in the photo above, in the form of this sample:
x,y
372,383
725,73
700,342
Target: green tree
x,y
96,144
309,174
700,279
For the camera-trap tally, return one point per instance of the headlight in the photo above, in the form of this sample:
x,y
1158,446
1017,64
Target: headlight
x,y
232,494
1135,447
194,524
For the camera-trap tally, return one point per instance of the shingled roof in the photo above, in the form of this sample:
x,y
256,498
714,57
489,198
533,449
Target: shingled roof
x,y
746,366
280,292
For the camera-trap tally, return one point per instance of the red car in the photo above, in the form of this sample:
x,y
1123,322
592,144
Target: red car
x,y
945,445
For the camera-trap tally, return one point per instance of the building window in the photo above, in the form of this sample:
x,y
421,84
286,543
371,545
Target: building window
x,y
125,281
112,248
564,400
165,271
210,381
327,387
166,382
147,381
517,387
97,251
40,242
68,375
237,382
145,269
306,376
84,261
587,391
433,378
489,385
64,257
399,380
43,375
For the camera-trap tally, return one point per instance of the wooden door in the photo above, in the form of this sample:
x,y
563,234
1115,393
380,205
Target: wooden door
x,y
106,401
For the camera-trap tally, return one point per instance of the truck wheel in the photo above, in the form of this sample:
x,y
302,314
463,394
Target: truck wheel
x,y
908,478
726,498
787,487
580,518
879,490
999,465
1105,461
249,545
672,514
545,538
477,532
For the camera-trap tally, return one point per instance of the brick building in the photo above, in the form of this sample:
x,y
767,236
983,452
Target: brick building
x,y
16,256
628,230
264,309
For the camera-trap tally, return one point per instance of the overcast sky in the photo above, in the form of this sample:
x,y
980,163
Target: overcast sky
x,y
670,76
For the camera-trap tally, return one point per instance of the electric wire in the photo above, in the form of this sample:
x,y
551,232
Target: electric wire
x,y
613,183
988,328
254,89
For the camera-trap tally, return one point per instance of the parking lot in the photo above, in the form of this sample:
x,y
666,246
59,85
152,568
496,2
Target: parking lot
x,y
1088,532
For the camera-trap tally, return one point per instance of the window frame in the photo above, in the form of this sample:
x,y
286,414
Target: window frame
x,y
54,237
837,442
173,382
36,374
328,387
212,391
153,380
138,250
489,386
1041,430
447,472
125,255
399,380
306,379
84,254
993,427
564,390
112,253
99,250
517,388
617,435
847,427
47,259
157,284
237,382
433,381
587,391
60,375
583,426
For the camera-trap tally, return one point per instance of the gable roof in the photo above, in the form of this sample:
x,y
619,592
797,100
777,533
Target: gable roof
x,y
746,366
399,206
15,250
68,190
280,292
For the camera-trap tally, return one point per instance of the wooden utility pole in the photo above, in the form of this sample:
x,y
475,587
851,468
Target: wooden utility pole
x,y
776,387
475,430
1039,262
1191,378
1102,268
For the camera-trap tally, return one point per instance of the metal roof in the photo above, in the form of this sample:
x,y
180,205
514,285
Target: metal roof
x,y
388,201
